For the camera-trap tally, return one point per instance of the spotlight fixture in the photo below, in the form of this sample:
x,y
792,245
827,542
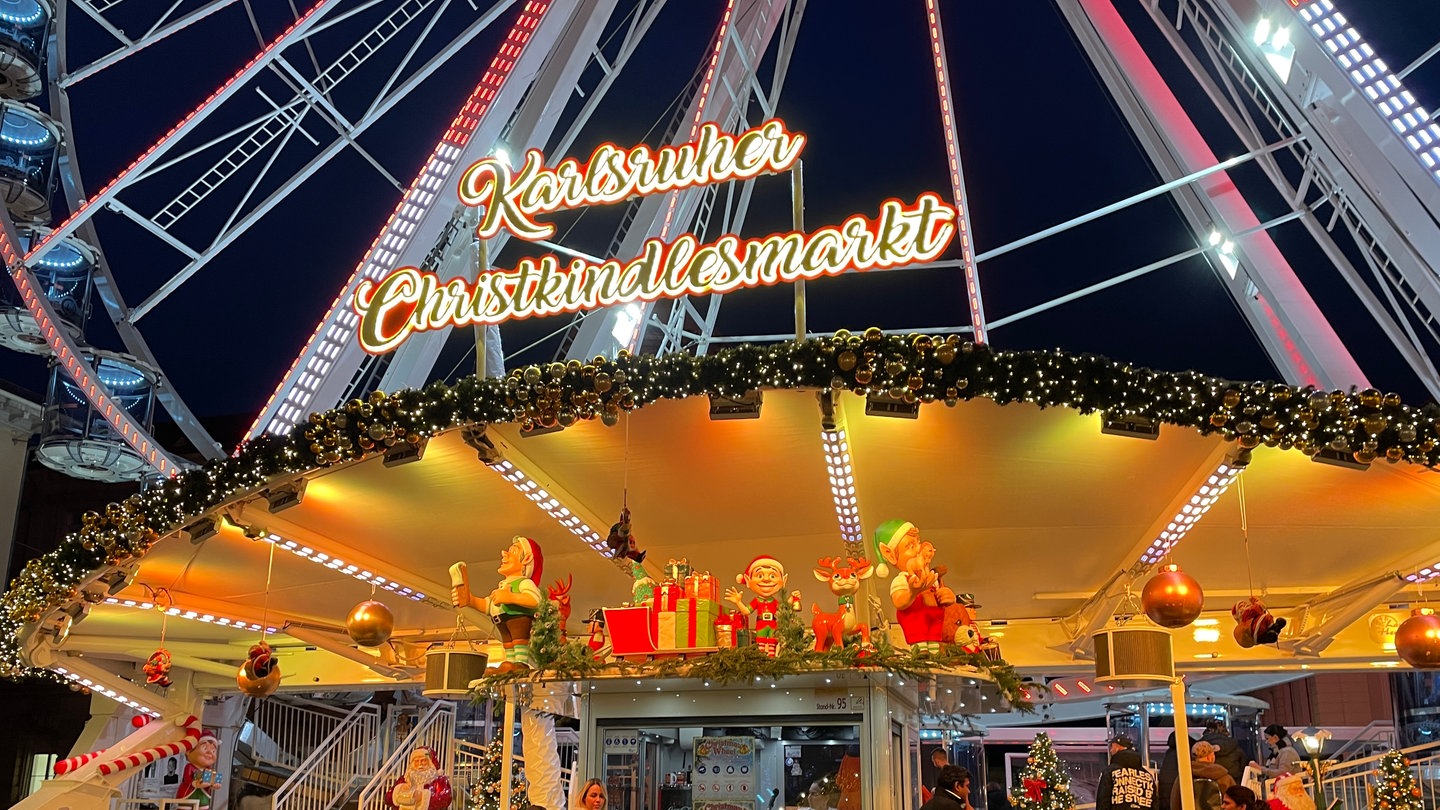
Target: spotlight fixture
x,y
404,453
885,405
1339,458
1138,427
119,579
747,406
200,531
59,624
278,499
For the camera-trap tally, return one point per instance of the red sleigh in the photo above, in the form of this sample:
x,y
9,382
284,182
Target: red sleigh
x,y
632,636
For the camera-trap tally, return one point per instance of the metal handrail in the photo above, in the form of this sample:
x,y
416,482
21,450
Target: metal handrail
x,y
1376,730
329,774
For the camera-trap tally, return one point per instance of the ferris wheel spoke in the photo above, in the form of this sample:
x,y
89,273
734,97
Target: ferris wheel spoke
x,y
158,31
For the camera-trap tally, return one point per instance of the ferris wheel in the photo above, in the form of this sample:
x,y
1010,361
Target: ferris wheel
x,y
1331,127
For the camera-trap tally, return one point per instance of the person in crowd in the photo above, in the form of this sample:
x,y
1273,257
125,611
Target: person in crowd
x,y
952,790
938,759
591,796
1210,779
1170,765
996,798
1241,798
1284,759
1126,785
1227,750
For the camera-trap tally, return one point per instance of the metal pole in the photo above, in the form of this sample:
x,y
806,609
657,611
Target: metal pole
x,y
797,219
1185,781
482,266
507,768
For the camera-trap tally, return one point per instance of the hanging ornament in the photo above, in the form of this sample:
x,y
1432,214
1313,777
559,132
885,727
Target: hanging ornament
x,y
370,623
260,674
1417,640
1172,598
157,668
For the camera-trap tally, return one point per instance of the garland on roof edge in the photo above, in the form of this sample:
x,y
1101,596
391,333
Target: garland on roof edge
x,y
916,368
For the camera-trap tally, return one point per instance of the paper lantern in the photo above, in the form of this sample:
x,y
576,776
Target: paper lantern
x,y
1417,640
370,623
1172,598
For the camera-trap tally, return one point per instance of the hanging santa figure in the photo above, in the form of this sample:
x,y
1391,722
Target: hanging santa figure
x,y
423,787
765,577
200,778
513,602
914,590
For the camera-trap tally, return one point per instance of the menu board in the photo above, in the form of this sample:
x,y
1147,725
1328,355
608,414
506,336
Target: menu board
x,y
725,775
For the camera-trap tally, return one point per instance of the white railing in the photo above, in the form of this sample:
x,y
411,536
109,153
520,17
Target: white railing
x,y
342,762
1353,782
436,731
1378,736
287,733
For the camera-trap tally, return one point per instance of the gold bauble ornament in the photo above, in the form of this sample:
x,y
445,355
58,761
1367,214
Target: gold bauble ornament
x,y
1417,639
1374,424
874,334
1172,598
863,376
1370,398
370,623
1219,419
846,360
945,353
1231,398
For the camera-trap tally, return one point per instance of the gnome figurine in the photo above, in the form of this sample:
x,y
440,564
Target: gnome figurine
x,y
914,590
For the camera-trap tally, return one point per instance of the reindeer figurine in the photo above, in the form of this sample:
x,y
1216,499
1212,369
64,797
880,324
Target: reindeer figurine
x,y
844,581
559,593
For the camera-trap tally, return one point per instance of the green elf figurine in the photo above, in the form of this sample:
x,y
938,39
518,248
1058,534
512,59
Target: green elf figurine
x,y
513,603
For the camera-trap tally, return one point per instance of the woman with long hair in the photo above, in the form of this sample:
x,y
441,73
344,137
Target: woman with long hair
x,y
1240,798
1283,759
591,796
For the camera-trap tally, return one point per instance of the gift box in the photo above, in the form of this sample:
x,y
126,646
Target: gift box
x,y
666,636
668,595
677,569
702,585
695,622
731,630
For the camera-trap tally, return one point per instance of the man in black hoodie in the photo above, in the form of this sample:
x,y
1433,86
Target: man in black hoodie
x,y
1126,785
1227,751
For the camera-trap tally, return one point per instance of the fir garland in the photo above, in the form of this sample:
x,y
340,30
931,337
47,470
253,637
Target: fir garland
x,y
918,368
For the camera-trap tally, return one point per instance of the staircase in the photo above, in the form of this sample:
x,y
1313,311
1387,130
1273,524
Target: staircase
x,y
435,730
1352,784
336,767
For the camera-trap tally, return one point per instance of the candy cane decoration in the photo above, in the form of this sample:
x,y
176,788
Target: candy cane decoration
x,y
64,766
184,746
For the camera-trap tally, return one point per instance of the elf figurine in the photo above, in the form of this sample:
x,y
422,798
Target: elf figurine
x,y
513,603
913,591
198,782
765,577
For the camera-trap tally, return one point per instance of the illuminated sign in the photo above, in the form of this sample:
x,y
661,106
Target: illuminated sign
x,y
411,300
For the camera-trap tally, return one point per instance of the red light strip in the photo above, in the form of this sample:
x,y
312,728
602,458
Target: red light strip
x,y
704,99
957,175
419,196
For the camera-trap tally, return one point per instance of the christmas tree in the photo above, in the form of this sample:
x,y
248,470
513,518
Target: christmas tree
x,y
1396,788
485,792
1044,784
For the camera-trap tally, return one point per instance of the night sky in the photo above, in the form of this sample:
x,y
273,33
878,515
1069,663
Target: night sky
x,y
1040,139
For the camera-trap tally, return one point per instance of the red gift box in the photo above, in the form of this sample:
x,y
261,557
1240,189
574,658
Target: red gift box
x,y
668,595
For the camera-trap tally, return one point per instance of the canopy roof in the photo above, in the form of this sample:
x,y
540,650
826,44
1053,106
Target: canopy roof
x,y
1033,509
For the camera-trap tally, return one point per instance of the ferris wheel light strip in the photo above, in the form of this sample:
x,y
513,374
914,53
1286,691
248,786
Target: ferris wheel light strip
x,y
193,615
1205,497
957,174
842,484
96,686
349,569
1375,79
329,337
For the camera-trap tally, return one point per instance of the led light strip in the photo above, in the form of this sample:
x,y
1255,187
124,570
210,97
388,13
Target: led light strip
x,y
1375,79
704,99
337,564
334,335
842,485
957,175
106,691
1205,497
195,615
1424,575
551,505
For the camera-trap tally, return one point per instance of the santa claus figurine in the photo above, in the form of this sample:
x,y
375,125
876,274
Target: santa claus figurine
x,y
200,778
423,787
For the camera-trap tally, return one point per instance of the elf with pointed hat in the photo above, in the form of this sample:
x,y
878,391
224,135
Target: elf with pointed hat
x,y
200,778
513,603
913,591
765,577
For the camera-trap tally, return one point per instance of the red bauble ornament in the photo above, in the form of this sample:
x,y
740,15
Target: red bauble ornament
x,y
1172,598
1417,640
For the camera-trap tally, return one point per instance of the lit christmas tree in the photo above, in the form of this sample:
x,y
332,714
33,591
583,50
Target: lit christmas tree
x,y
1044,783
485,793
1396,788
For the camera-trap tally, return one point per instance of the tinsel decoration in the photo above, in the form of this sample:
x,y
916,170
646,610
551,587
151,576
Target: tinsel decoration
x,y
1367,425
1044,782
1395,787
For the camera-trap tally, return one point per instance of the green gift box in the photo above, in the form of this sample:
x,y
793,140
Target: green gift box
x,y
695,622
